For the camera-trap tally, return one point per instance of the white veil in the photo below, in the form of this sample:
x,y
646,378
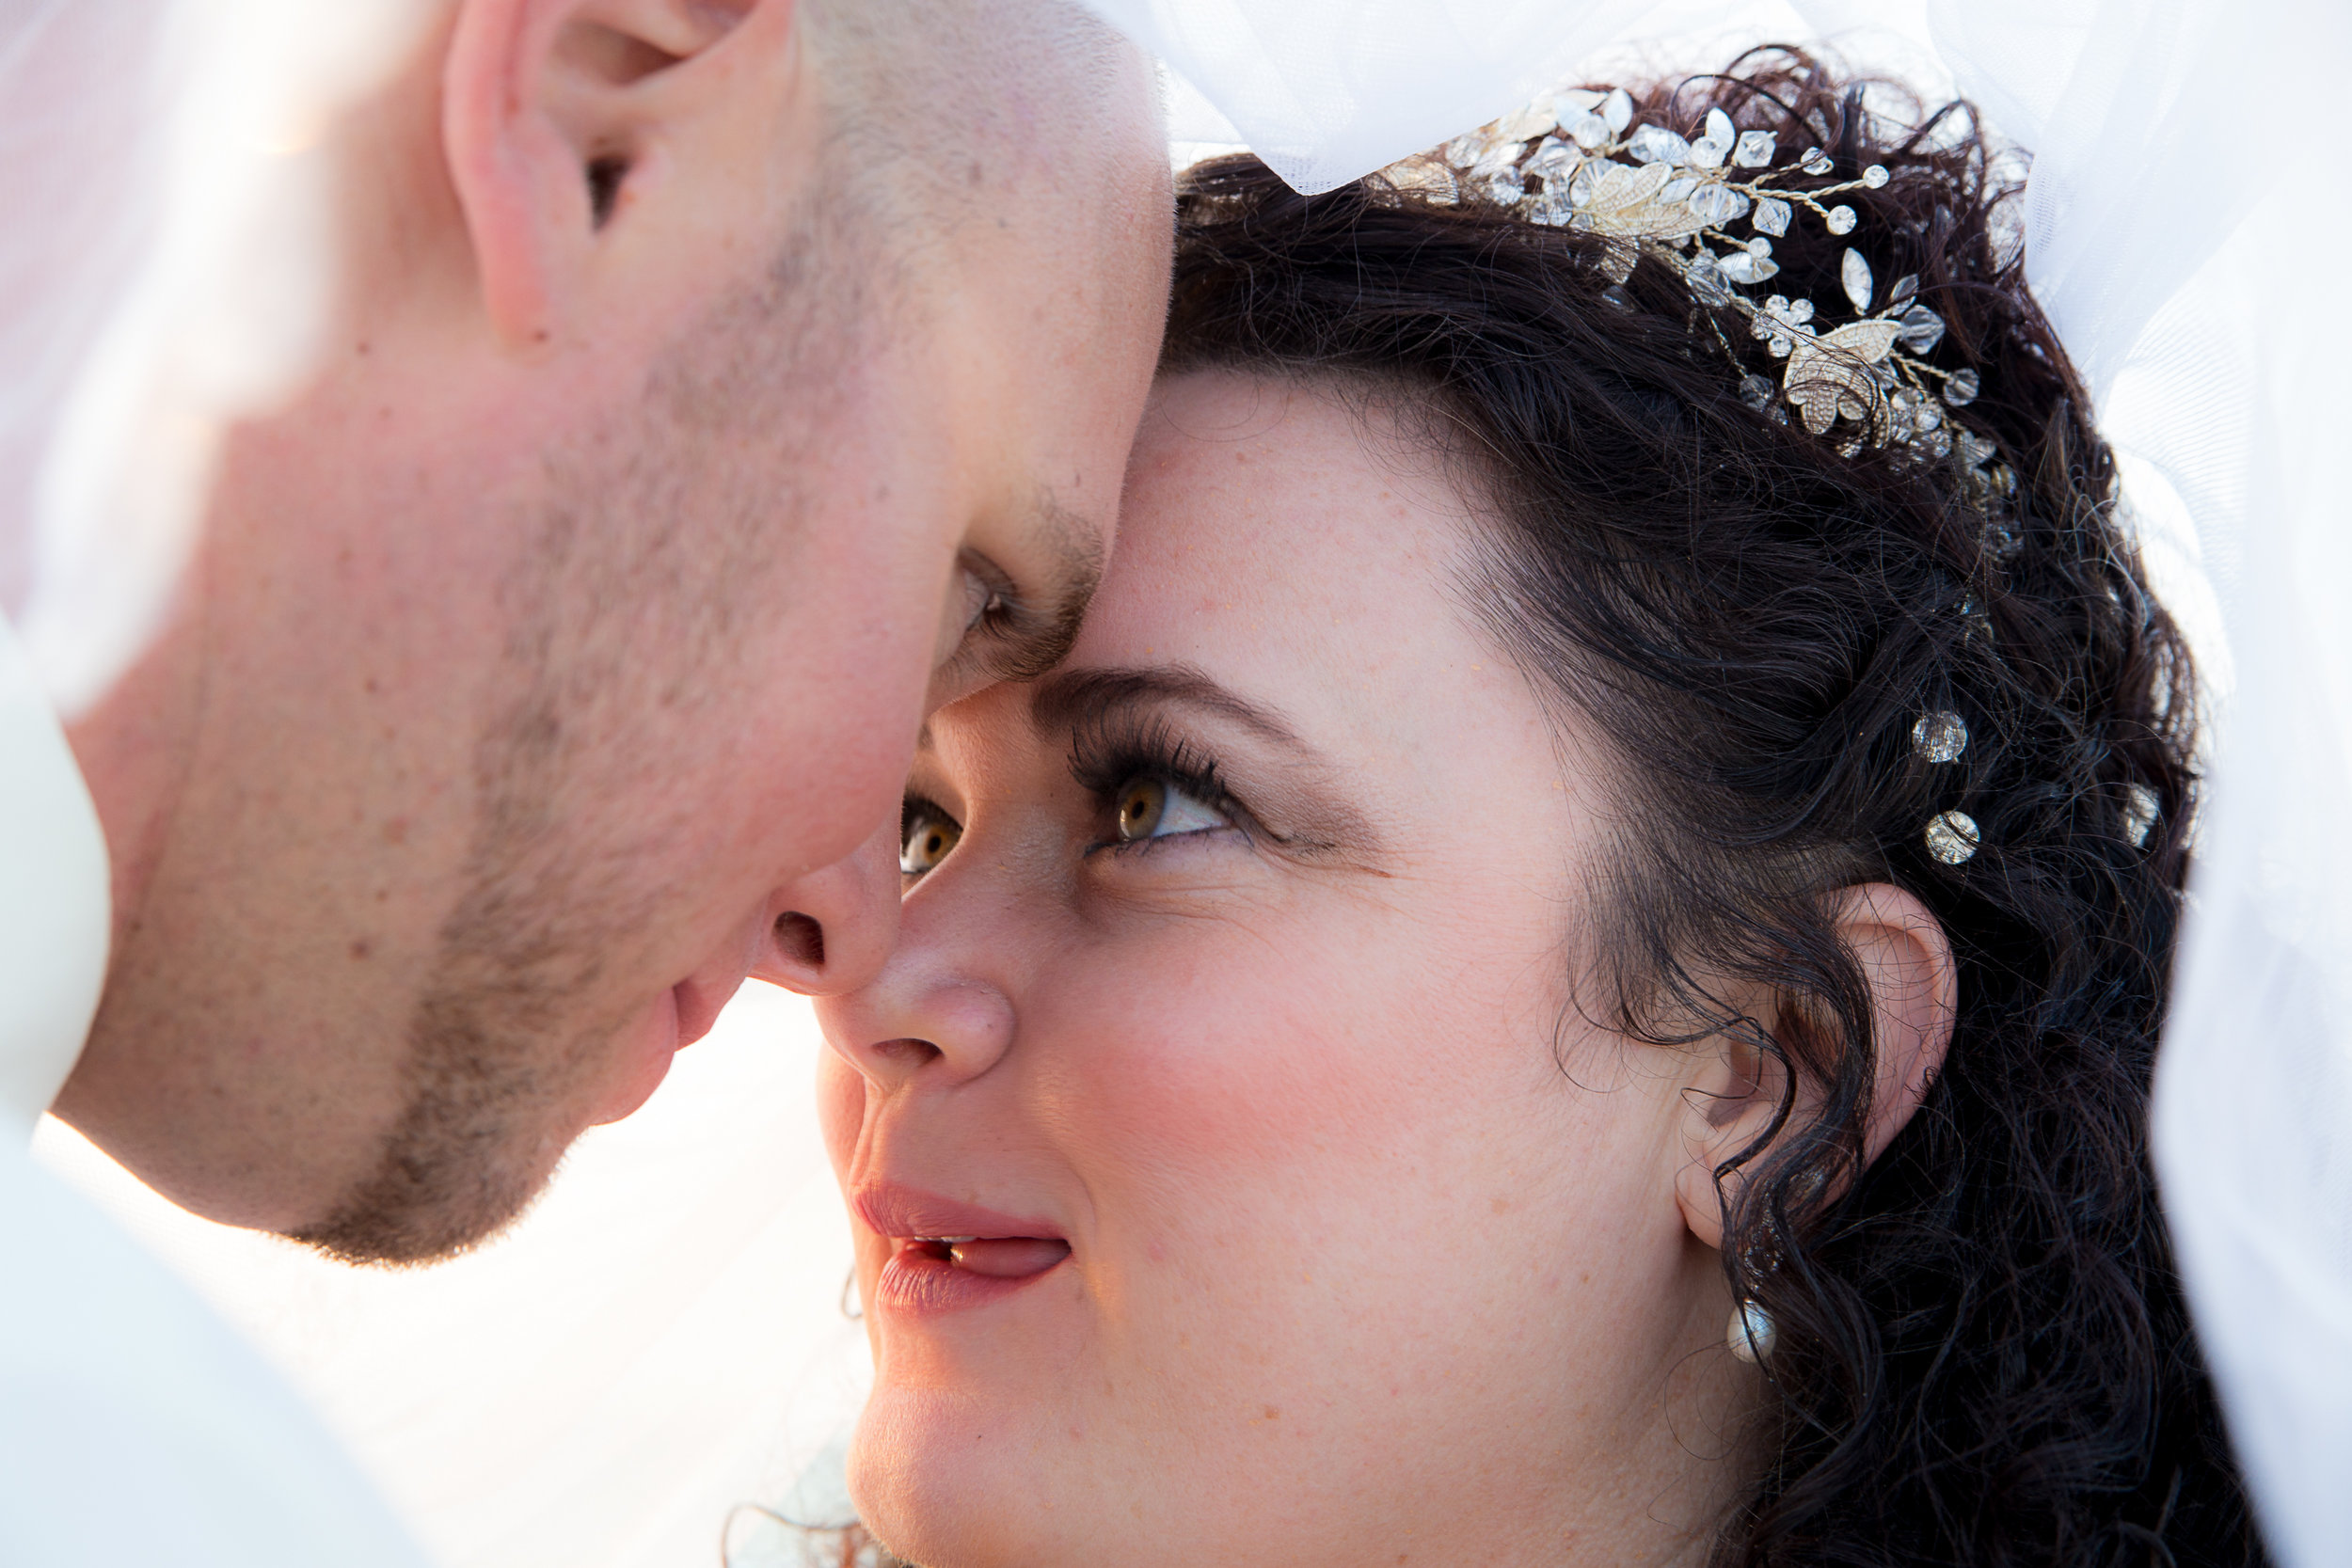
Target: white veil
x,y
2186,213
160,273
165,269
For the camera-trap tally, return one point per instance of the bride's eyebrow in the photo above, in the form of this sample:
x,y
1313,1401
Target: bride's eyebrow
x,y
1077,698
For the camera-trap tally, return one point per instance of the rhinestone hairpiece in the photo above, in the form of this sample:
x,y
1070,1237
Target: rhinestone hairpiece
x,y
1940,736
1579,161
1951,836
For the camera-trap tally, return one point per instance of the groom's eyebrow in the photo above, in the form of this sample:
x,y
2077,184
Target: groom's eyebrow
x,y
1041,634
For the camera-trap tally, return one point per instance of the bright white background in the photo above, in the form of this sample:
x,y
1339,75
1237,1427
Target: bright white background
x,y
659,1339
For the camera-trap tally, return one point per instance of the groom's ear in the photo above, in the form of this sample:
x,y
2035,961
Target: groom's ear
x,y
550,108
1737,1085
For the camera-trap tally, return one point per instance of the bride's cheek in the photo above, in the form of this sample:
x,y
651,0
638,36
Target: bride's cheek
x,y
840,1107
1220,864
1202,911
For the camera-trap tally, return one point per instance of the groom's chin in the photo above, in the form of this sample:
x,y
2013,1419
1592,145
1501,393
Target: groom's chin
x,y
421,1208
494,1104
475,1146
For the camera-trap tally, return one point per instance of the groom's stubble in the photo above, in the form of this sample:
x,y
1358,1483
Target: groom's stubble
x,y
627,618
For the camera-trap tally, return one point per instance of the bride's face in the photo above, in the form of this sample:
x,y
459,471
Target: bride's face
x,y
1232,1016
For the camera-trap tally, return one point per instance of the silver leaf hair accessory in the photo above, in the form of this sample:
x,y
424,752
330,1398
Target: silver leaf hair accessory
x,y
1579,161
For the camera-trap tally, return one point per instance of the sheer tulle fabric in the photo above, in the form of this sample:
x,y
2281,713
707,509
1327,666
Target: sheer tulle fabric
x,y
165,269
159,274
2181,223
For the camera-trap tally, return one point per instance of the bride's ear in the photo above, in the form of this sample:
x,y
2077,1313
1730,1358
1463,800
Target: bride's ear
x,y
1737,1085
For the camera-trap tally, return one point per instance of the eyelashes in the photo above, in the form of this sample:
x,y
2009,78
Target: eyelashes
x,y
1150,784
1108,755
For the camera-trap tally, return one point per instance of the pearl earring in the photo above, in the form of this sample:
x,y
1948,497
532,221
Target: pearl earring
x,y
1750,1333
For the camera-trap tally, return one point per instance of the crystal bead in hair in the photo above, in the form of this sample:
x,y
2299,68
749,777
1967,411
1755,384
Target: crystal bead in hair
x,y
1940,736
1952,836
2139,815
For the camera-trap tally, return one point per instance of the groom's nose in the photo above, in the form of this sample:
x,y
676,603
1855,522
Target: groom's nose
x,y
834,928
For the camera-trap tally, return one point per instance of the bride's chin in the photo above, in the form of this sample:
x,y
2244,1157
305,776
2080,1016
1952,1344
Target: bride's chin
x,y
939,1480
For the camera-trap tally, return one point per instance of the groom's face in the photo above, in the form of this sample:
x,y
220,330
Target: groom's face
x,y
547,673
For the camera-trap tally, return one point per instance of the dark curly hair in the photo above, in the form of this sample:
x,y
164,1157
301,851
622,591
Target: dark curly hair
x,y
1984,1354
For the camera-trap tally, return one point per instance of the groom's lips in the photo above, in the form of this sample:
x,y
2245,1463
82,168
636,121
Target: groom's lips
x,y
676,1019
947,1255
699,1004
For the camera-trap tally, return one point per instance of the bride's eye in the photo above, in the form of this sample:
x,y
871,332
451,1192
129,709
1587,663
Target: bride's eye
x,y
1153,807
925,835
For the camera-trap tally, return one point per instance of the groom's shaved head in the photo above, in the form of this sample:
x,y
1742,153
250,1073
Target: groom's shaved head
x,y
1029,81
951,113
968,58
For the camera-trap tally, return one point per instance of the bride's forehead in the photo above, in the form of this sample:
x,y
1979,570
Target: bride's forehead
x,y
1253,496
1224,427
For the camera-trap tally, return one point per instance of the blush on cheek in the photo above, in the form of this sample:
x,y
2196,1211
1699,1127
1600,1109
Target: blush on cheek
x,y
1251,1072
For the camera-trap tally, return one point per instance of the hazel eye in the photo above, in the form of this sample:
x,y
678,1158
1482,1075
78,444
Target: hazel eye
x,y
929,835
1151,807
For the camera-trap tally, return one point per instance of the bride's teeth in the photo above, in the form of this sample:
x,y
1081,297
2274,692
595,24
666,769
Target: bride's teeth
x,y
945,1241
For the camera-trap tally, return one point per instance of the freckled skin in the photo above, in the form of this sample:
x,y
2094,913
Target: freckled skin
x,y
1357,1272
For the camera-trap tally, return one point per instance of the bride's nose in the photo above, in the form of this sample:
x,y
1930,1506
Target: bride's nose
x,y
933,1015
832,930
913,1028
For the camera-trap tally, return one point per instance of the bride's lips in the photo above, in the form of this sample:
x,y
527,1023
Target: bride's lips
x,y
946,1256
